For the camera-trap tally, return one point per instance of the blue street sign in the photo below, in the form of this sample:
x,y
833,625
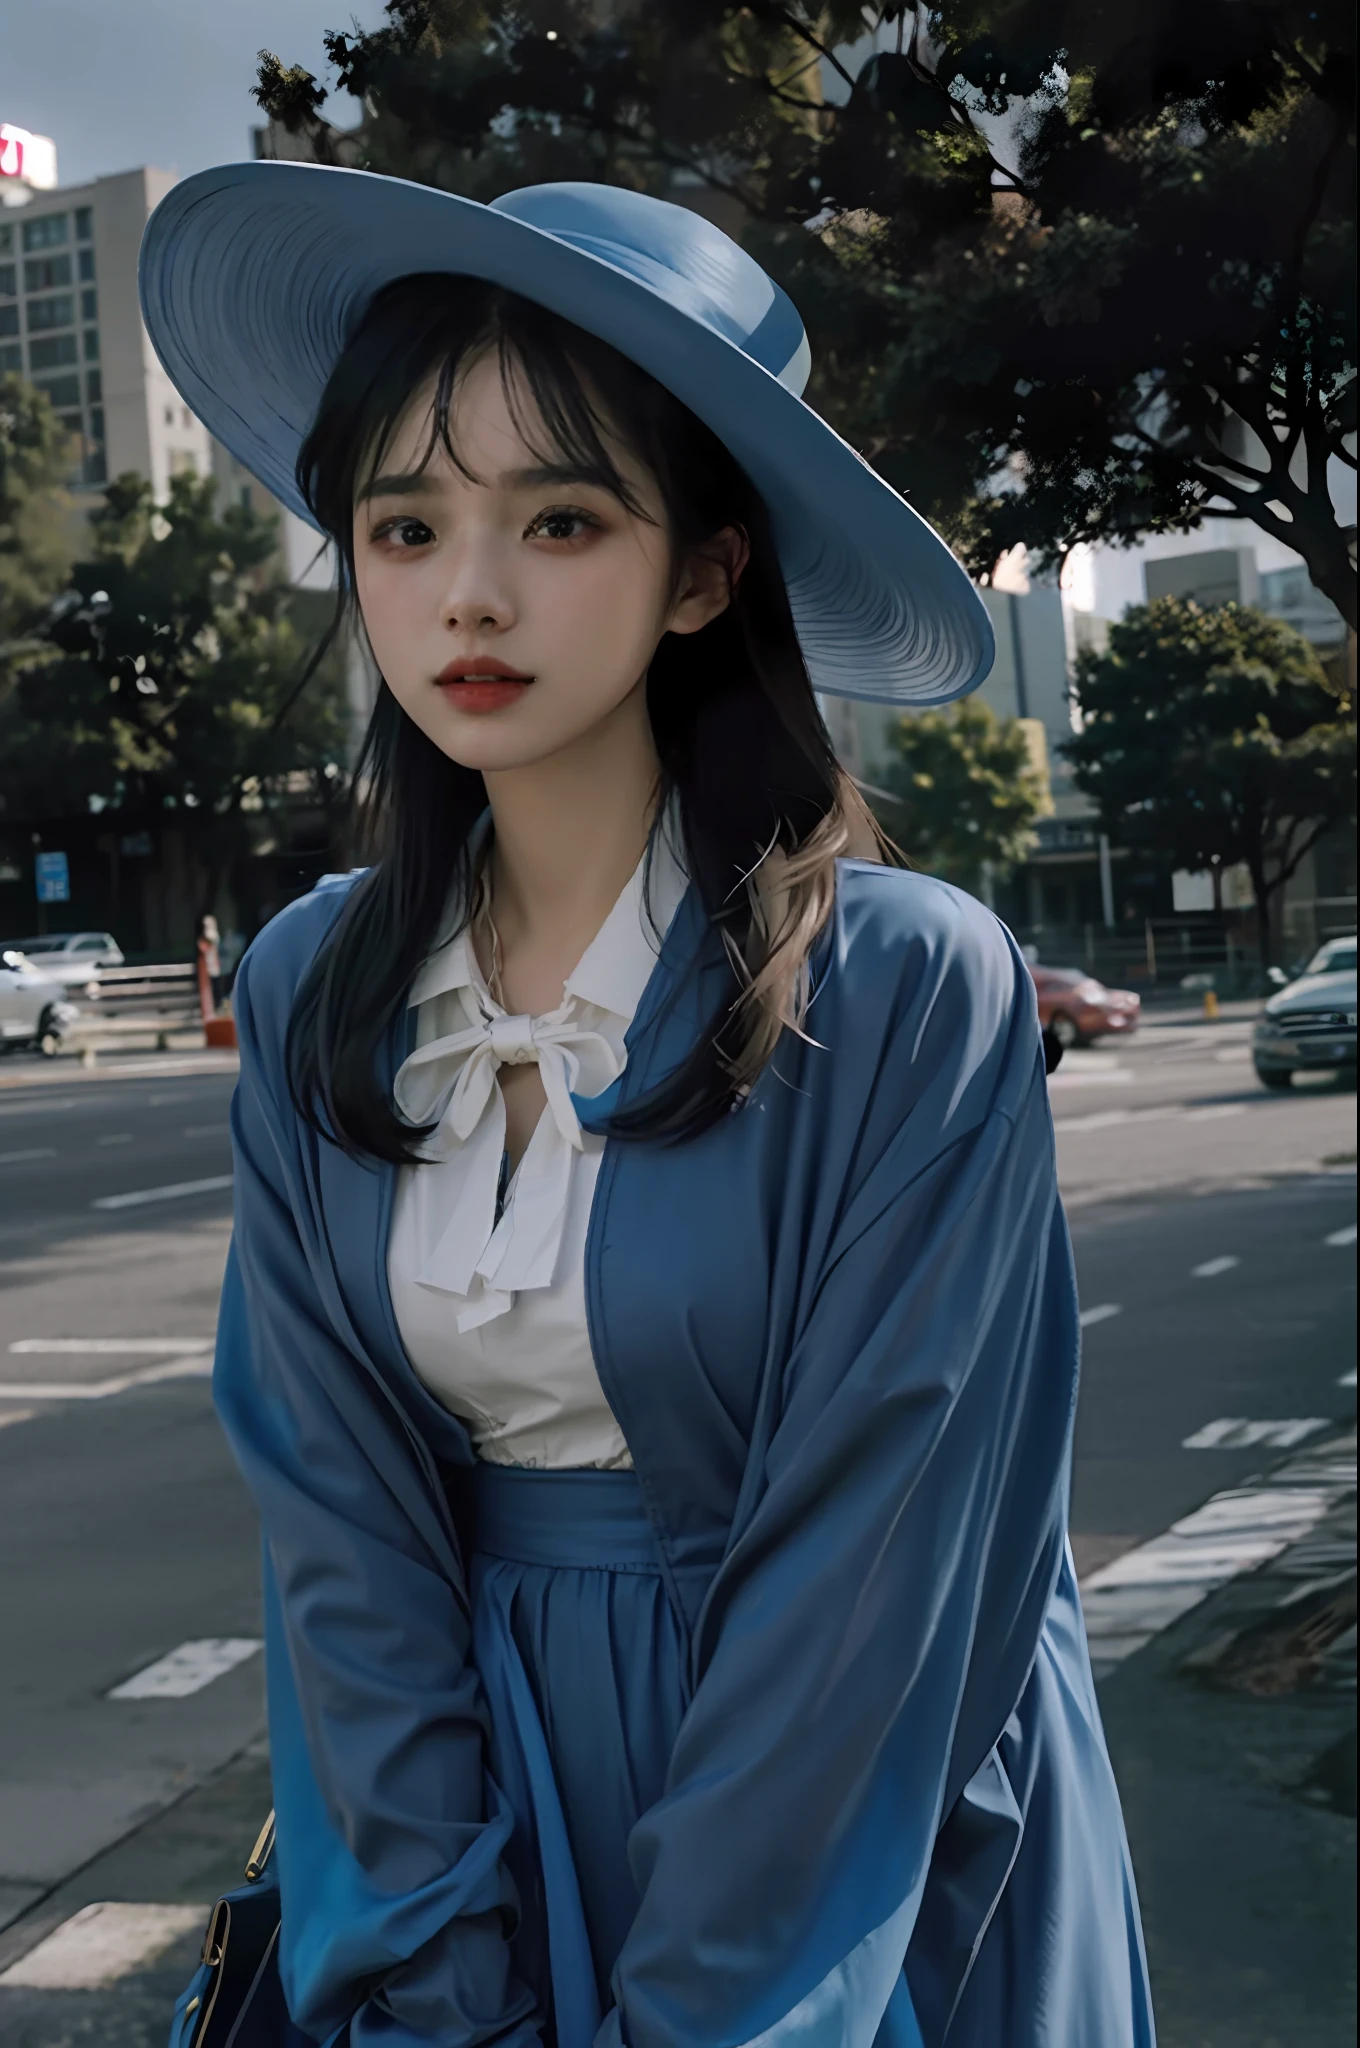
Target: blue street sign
x,y
52,873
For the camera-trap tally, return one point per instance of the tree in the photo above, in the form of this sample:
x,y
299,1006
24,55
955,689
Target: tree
x,y
36,513
960,791
1212,737
169,680
1105,253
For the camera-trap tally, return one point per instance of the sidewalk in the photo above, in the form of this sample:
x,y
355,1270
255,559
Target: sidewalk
x,y
67,1069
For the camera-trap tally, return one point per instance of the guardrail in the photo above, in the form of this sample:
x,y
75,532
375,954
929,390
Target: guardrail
x,y
132,1002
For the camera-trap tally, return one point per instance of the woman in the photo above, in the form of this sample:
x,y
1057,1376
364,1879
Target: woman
x,y
650,1332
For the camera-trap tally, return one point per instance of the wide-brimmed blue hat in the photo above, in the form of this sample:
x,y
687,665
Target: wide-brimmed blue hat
x,y
255,275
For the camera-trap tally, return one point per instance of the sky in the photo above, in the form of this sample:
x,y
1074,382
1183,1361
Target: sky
x,y
119,83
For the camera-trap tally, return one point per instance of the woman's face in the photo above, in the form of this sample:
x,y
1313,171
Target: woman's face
x,y
513,615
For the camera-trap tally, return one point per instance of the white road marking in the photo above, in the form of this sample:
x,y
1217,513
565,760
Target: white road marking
x,y
1212,1112
1346,1236
1211,1268
206,1130
28,1108
1128,1602
1240,1433
119,1346
100,1944
138,1196
1111,1077
198,1367
32,1152
167,1095
1100,1314
16,1415
116,1138
188,1669
1347,1379
1102,1119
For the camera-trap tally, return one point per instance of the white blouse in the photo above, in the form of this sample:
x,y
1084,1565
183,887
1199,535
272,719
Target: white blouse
x,y
493,1312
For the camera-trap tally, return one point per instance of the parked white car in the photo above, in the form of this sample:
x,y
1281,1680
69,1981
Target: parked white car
x,y
69,956
33,1005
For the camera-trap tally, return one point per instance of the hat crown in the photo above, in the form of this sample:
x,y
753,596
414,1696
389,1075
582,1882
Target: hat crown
x,y
682,257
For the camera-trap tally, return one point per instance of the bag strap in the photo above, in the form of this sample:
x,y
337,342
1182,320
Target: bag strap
x,y
261,1853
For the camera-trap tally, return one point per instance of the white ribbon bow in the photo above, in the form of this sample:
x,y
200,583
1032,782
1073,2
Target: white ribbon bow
x,y
452,1083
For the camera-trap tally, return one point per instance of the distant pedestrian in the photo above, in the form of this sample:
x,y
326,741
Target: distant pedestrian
x,y
209,965
650,1333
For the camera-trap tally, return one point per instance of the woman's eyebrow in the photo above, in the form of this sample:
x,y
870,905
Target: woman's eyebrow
x,y
409,484
548,473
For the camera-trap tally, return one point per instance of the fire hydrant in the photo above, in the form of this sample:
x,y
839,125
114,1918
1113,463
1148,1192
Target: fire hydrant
x,y
1210,1005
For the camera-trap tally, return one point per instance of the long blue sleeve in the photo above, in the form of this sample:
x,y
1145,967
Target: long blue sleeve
x,y
876,1622
396,1905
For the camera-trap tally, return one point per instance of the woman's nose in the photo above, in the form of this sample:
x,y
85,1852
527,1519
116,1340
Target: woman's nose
x,y
477,597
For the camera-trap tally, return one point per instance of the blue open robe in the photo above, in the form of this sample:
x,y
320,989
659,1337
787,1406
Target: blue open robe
x,y
839,1332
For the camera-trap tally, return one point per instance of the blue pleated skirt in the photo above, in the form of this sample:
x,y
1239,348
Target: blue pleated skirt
x,y
583,1662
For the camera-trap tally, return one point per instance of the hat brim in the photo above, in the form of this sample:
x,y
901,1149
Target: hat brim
x,y
253,276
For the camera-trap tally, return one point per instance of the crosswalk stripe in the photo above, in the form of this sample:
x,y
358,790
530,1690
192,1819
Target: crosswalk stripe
x,y
1128,1602
1241,1433
188,1669
100,1944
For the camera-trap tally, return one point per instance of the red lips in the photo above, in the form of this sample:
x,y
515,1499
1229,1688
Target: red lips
x,y
478,682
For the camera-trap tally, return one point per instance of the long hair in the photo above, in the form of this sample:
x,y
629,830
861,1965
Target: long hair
x,y
745,756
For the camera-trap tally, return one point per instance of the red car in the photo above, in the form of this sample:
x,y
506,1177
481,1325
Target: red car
x,y
1077,1008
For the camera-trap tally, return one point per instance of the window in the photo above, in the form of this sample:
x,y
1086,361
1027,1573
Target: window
x,y
11,357
84,223
58,312
89,308
9,319
169,415
46,273
52,353
62,390
91,345
183,462
96,469
1285,589
97,424
8,284
6,239
49,231
186,418
87,266
94,386
72,422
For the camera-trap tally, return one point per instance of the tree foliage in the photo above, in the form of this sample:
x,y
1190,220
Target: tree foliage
x,y
965,792
1213,737
1102,252
36,513
169,678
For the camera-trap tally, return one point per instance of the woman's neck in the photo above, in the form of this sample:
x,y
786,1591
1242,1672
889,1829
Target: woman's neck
x,y
569,831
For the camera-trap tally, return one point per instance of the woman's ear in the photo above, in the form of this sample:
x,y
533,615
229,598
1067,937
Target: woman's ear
x,y
710,575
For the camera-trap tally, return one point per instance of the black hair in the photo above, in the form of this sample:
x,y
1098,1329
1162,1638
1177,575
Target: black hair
x,y
742,745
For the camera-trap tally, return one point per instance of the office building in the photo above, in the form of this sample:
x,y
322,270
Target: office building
x,y
70,321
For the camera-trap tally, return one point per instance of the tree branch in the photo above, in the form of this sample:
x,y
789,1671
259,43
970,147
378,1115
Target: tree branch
x,y
805,34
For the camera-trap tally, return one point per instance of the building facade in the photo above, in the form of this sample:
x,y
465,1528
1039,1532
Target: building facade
x,y
71,324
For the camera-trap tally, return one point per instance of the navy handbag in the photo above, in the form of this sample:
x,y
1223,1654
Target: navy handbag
x,y
235,1998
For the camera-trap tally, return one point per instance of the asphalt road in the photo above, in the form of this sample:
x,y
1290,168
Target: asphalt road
x,y
1209,1222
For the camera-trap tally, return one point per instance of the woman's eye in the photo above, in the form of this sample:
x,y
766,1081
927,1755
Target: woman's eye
x,y
404,533
560,522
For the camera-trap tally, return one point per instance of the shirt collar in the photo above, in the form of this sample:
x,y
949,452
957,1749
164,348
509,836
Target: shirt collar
x,y
617,964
